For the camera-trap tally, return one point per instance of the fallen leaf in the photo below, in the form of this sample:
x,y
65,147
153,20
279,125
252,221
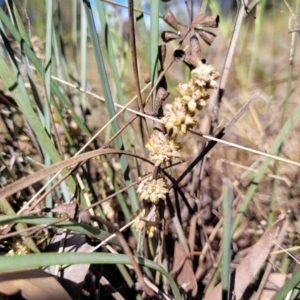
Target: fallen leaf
x,y
274,283
250,265
66,209
182,266
72,276
33,284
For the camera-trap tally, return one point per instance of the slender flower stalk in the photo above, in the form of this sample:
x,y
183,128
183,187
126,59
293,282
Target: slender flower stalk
x,y
180,115
143,225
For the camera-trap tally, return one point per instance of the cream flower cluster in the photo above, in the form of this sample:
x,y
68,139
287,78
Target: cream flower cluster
x,y
192,96
179,116
163,149
205,76
141,225
152,189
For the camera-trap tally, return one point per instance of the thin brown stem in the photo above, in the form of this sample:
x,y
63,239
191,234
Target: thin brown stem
x,y
133,55
30,231
127,251
106,144
42,197
134,63
136,9
161,75
185,35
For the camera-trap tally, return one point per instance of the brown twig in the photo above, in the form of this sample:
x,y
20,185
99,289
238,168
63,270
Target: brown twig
x,y
219,135
30,231
87,217
133,55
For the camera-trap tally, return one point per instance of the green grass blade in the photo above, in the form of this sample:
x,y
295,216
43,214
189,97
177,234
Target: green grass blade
x,y
70,225
154,18
19,24
262,170
43,113
11,84
19,262
34,60
8,210
19,96
62,53
291,284
74,64
47,82
110,51
120,95
102,71
58,106
110,105
143,33
83,55
226,237
74,34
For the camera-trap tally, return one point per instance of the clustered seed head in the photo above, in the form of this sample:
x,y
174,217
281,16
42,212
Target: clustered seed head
x,y
141,225
18,248
192,96
108,209
179,117
163,149
205,76
152,190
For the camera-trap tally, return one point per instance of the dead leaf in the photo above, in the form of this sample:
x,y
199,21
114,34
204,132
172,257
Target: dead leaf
x,y
274,283
73,276
168,36
182,266
194,45
33,284
206,21
66,209
24,182
162,52
250,265
170,19
192,61
207,36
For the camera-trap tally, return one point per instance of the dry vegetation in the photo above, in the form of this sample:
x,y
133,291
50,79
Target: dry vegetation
x,y
215,215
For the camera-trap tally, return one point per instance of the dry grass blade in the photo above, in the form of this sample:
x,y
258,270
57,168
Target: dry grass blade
x,y
221,133
31,179
134,55
250,265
